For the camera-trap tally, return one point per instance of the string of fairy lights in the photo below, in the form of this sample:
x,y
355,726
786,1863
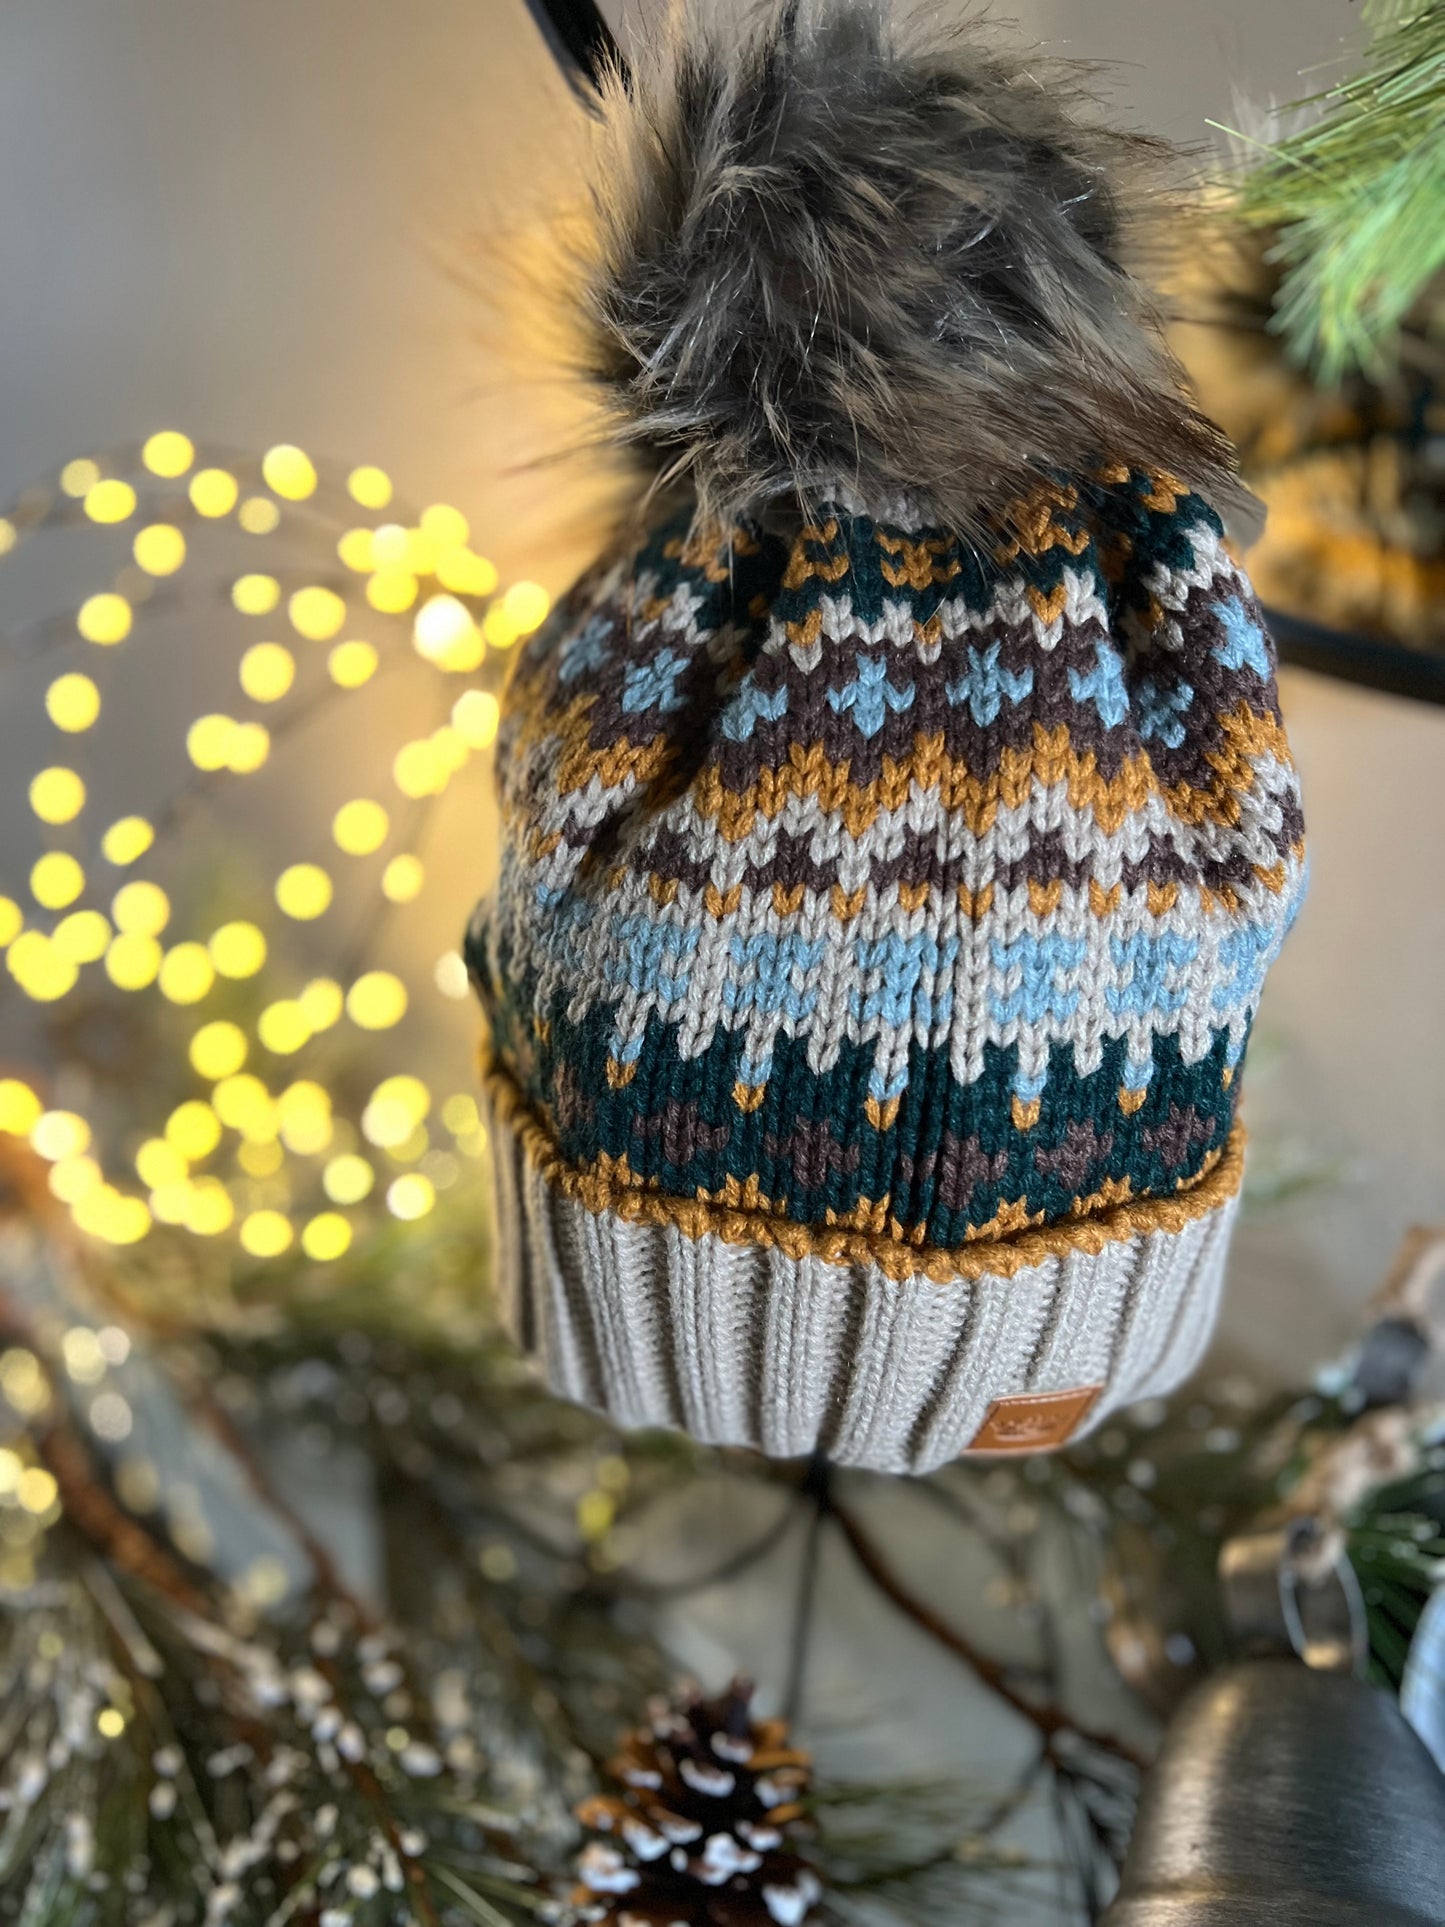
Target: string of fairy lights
x,y
256,1154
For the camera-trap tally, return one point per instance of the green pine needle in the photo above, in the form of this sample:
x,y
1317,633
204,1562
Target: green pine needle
x,y
1358,198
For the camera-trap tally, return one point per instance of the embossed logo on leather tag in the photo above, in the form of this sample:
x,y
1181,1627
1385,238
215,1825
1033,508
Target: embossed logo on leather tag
x,y
1033,1421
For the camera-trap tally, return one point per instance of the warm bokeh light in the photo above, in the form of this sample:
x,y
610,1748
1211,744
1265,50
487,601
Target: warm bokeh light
x,y
265,1234
208,741
376,1001
450,976
355,550
159,549
127,840
133,962
59,1134
194,1129
72,1177
475,717
168,453
316,613
238,949
40,968
244,1104
390,591
460,1114
56,880
259,515
187,973
82,937
304,891
347,1179
104,619
282,1027
247,748
289,1171
213,492
498,629
20,1108
159,1162
209,1210
261,1158
255,594
410,1196
141,909
110,501
360,827
57,795
322,1002
369,486
303,1117
267,672
79,477
466,573
326,1237
444,633
420,769
72,702
389,546
447,527
352,663
526,604
218,1049
289,472
395,1109
403,878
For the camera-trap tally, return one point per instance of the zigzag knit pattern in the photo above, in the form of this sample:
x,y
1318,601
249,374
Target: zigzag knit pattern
x,y
881,896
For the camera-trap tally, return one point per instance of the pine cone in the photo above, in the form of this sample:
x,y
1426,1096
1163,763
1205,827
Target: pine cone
x,y
696,1834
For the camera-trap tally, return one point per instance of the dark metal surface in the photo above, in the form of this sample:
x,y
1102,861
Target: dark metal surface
x,y
1285,1797
1290,1591
1386,666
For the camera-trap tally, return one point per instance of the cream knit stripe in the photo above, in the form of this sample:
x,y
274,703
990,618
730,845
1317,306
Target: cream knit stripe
x,y
1194,1323
743,1345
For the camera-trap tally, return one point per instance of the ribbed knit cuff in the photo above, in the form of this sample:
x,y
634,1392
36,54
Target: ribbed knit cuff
x,y
743,1344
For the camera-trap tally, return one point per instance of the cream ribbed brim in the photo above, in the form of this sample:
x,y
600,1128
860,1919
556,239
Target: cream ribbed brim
x,y
742,1344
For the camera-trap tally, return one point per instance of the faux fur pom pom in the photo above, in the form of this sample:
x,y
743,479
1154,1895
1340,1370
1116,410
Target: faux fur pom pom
x,y
834,252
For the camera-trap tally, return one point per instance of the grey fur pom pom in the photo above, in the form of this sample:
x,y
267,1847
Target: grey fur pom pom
x,y
832,254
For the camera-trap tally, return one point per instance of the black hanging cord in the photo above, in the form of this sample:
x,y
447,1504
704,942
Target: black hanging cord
x,y
582,43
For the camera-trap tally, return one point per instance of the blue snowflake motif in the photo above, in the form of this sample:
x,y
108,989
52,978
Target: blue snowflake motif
x,y
1149,966
650,958
984,686
1245,644
653,685
589,651
1103,685
770,968
1161,708
870,696
902,964
1043,963
1246,953
750,707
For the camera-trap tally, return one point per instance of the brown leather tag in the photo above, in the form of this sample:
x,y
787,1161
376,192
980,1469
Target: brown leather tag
x,y
1033,1421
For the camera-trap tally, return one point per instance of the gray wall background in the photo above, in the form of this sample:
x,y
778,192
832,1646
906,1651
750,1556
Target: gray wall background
x,y
227,218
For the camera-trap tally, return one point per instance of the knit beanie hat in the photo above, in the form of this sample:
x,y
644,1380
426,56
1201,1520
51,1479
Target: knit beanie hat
x,y
897,825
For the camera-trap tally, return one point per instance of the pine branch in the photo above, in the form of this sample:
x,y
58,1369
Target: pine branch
x,y
1356,198
1051,1721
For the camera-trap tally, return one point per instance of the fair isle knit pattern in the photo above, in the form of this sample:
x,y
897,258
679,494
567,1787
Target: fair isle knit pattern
x,y
887,902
